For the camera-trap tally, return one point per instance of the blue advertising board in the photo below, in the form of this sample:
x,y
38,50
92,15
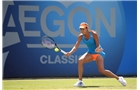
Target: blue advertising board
x,y
25,22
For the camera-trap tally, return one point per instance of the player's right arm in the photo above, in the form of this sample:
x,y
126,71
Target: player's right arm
x,y
75,46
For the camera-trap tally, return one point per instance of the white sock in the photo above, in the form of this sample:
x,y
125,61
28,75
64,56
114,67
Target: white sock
x,y
80,80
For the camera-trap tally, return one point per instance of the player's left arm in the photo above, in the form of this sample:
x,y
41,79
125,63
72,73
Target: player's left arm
x,y
96,38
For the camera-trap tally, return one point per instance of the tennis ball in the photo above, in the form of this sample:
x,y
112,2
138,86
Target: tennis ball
x,y
56,49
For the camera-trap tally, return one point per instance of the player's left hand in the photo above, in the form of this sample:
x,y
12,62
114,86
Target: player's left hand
x,y
99,49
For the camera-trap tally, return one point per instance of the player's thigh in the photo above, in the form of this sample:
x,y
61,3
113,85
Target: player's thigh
x,y
85,58
100,62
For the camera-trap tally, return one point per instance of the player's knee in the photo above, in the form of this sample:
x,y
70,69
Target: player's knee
x,y
80,61
102,71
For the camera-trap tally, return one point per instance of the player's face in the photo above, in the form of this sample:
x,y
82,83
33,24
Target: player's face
x,y
83,30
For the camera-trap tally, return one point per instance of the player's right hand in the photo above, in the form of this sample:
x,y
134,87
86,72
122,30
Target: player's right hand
x,y
67,54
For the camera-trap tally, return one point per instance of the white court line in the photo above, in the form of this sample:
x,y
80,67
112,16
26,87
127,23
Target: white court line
x,y
60,45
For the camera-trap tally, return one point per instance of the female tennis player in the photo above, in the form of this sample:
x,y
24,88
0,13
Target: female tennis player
x,y
94,53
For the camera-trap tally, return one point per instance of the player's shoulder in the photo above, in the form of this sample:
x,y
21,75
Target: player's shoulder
x,y
80,35
93,31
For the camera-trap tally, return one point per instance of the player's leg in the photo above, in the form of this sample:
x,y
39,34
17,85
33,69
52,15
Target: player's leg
x,y
83,59
100,64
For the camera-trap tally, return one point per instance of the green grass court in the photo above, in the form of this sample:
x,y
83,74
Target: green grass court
x,y
67,84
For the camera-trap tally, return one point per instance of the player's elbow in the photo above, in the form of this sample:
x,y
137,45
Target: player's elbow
x,y
75,48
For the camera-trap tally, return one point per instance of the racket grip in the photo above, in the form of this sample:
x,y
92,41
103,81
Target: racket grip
x,y
62,51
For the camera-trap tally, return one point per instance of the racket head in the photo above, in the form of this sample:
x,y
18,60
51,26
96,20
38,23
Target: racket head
x,y
48,42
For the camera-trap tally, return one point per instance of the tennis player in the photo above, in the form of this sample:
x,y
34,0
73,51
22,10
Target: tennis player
x,y
94,53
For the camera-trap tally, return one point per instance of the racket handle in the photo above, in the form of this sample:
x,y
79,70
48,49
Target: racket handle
x,y
62,51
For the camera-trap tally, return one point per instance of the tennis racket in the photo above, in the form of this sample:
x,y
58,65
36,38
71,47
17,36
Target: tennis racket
x,y
48,42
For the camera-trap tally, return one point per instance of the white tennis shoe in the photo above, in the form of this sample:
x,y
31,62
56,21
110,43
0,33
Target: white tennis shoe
x,y
122,81
79,84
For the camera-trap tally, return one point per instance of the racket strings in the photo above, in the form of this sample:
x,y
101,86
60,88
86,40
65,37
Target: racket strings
x,y
48,43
